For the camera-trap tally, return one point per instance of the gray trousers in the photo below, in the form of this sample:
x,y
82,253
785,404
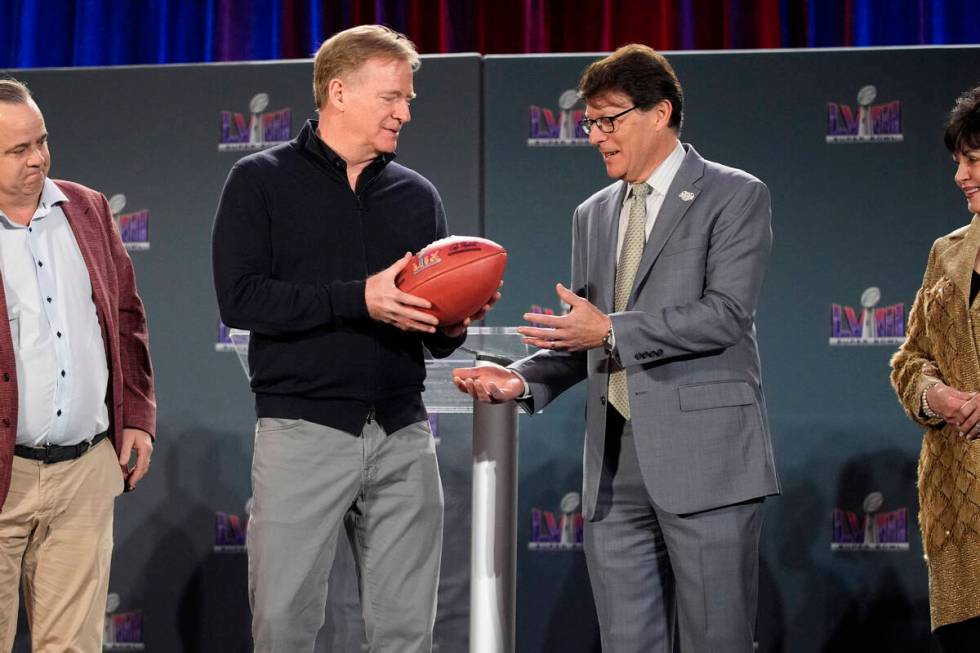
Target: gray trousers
x,y
309,481
663,582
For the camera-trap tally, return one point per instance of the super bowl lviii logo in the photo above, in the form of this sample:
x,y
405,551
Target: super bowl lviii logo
x,y
865,123
545,129
230,530
224,342
877,531
561,532
262,129
123,631
134,226
434,426
872,325
537,309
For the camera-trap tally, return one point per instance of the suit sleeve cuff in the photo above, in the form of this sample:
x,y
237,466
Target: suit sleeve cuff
x,y
526,394
526,400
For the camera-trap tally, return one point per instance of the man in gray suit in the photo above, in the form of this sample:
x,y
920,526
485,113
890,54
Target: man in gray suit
x,y
667,264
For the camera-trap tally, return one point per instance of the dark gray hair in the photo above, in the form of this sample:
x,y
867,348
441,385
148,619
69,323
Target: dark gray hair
x,y
13,91
639,72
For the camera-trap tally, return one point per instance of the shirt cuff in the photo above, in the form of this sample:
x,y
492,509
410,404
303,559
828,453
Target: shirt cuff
x,y
527,390
526,394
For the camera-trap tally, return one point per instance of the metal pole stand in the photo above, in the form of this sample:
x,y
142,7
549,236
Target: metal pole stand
x,y
493,547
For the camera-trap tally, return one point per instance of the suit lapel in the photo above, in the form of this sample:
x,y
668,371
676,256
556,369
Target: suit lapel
x,y
681,195
76,211
959,264
607,231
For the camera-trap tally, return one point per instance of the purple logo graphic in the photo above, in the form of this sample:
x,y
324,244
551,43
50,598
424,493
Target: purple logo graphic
x,y
224,342
867,123
873,325
878,531
544,129
562,532
260,130
123,631
229,531
134,227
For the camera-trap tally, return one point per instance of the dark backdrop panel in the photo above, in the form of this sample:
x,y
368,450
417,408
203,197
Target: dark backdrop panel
x,y
151,133
845,217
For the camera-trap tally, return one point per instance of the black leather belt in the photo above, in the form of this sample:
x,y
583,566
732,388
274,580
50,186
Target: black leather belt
x,y
54,453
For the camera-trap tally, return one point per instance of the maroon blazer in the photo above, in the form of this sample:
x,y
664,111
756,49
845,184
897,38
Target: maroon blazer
x,y
130,395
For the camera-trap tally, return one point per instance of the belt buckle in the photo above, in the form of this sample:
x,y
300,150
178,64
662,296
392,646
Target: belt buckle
x,y
47,454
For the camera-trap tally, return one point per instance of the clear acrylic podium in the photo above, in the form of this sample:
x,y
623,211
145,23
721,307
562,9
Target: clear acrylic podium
x,y
493,534
239,340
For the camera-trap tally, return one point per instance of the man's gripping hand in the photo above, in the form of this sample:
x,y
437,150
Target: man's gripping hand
x,y
386,303
455,330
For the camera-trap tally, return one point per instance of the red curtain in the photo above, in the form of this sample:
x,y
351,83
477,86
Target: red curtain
x,y
525,26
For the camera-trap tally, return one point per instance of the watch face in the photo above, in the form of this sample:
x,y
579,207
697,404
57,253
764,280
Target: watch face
x,y
607,342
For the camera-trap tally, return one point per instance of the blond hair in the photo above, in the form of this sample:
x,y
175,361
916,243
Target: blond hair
x,y
346,51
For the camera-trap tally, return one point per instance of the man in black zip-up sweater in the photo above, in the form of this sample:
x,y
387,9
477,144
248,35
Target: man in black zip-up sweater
x,y
307,241
293,247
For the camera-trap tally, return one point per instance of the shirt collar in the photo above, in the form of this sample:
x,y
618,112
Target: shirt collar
x,y
51,196
313,144
663,175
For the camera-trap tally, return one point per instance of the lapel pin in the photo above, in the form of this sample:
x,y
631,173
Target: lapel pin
x,y
686,196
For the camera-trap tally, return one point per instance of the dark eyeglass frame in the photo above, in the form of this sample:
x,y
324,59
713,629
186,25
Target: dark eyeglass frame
x,y
606,124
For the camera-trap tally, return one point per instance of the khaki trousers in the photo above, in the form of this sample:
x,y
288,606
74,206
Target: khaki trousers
x,y
56,537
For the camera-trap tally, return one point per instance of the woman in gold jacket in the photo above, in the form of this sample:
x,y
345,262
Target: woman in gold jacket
x,y
936,374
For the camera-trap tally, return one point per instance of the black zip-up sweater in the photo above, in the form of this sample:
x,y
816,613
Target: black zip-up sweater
x,y
292,247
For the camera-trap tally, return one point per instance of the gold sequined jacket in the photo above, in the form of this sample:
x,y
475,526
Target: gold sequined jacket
x,y
941,345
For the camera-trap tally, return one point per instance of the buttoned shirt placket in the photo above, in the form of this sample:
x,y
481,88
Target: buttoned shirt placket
x,y
50,303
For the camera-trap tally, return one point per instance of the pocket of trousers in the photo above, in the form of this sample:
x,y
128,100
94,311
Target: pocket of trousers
x,y
276,424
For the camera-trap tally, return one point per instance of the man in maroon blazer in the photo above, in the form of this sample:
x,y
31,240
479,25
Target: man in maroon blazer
x,y
75,383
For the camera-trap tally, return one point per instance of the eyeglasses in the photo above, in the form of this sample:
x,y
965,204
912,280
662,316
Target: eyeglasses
x,y
606,124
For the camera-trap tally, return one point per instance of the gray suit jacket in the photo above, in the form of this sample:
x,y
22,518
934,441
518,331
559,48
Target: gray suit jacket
x,y
687,340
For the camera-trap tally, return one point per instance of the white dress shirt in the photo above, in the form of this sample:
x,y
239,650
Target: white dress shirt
x,y
62,372
659,180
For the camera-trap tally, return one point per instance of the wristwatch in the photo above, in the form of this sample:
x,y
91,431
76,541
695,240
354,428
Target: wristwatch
x,y
609,342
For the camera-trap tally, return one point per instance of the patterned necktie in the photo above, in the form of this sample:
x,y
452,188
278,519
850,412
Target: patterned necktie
x,y
629,262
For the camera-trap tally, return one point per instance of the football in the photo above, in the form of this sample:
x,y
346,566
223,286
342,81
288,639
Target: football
x,y
458,275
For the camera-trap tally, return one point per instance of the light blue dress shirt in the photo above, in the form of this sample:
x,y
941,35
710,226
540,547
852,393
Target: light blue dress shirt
x,y
62,372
